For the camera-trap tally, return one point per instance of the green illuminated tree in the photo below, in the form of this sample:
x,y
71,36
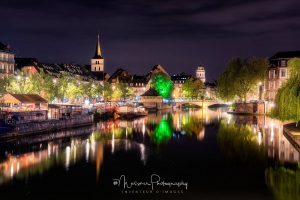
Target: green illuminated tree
x,y
162,84
191,88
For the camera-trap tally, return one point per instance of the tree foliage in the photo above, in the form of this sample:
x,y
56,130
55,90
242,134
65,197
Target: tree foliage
x,y
191,88
287,101
162,84
51,88
241,77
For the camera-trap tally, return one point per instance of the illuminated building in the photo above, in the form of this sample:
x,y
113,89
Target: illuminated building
x,y
7,60
200,73
278,72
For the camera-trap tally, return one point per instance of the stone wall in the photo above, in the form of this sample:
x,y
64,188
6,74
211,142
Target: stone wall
x,y
254,107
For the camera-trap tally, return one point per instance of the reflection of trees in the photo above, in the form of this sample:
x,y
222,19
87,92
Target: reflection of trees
x,y
164,130
239,145
118,133
285,183
192,125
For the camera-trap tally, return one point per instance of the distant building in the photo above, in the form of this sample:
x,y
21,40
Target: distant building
x,y
210,91
278,72
32,65
97,64
95,71
179,80
7,60
137,83
200,73
151,99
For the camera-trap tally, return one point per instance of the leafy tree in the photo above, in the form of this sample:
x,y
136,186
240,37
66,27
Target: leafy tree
x,y
191,88
44,85
19,84
241,77
287,99
4,82
162,84
107,91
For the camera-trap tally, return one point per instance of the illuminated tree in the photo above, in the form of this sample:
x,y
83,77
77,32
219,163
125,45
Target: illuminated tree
x,y
162,84
107,91
20,84
287,99
4,82
191,88
241,77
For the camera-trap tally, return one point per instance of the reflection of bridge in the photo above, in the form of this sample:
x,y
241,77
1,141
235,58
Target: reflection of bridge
x,y
202,103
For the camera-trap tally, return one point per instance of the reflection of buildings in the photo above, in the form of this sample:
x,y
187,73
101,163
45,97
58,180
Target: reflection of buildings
x,y
13,165
270,134
279,147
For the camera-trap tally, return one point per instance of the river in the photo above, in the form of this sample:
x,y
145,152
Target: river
x,y
173,154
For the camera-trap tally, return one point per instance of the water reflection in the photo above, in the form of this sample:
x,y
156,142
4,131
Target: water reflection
x,y
246,142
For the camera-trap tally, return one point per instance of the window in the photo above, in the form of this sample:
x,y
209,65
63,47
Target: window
x,y
283,63
283,73
272,74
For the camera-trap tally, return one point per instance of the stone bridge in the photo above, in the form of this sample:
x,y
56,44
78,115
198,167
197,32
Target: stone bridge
x,y
202,103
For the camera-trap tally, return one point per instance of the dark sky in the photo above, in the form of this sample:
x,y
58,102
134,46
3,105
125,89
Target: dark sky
x,y
138,34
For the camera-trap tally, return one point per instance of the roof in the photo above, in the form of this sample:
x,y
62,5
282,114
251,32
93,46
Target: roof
x,y
285,54
98,50
117,74
58,69
157,69
23,98
4,48
181,76
151,92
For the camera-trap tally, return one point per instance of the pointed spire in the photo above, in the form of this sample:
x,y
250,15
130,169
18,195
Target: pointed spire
x,y
98,50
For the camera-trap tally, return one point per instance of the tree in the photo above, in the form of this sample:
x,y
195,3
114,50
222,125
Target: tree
x,y
241,77
107,91
287,101
162,84
19,84
191,88
44,85
4,82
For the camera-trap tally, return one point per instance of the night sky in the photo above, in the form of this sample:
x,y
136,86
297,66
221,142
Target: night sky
x,y
138,34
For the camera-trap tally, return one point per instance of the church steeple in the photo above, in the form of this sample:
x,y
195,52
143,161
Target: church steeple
x,y
97,62
98,49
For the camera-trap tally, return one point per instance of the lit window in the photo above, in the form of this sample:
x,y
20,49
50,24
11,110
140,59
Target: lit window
x,y
283,73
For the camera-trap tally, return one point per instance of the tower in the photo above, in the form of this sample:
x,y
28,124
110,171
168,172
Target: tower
x,y
200,73
97,62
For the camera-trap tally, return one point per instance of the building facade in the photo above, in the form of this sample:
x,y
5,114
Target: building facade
x,y
7,61
200,73
278,72
178,81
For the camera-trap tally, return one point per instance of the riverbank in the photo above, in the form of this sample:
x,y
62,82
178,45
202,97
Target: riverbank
x,y
293,134
39,127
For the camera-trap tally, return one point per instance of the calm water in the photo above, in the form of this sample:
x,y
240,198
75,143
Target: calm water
x,y
188,154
